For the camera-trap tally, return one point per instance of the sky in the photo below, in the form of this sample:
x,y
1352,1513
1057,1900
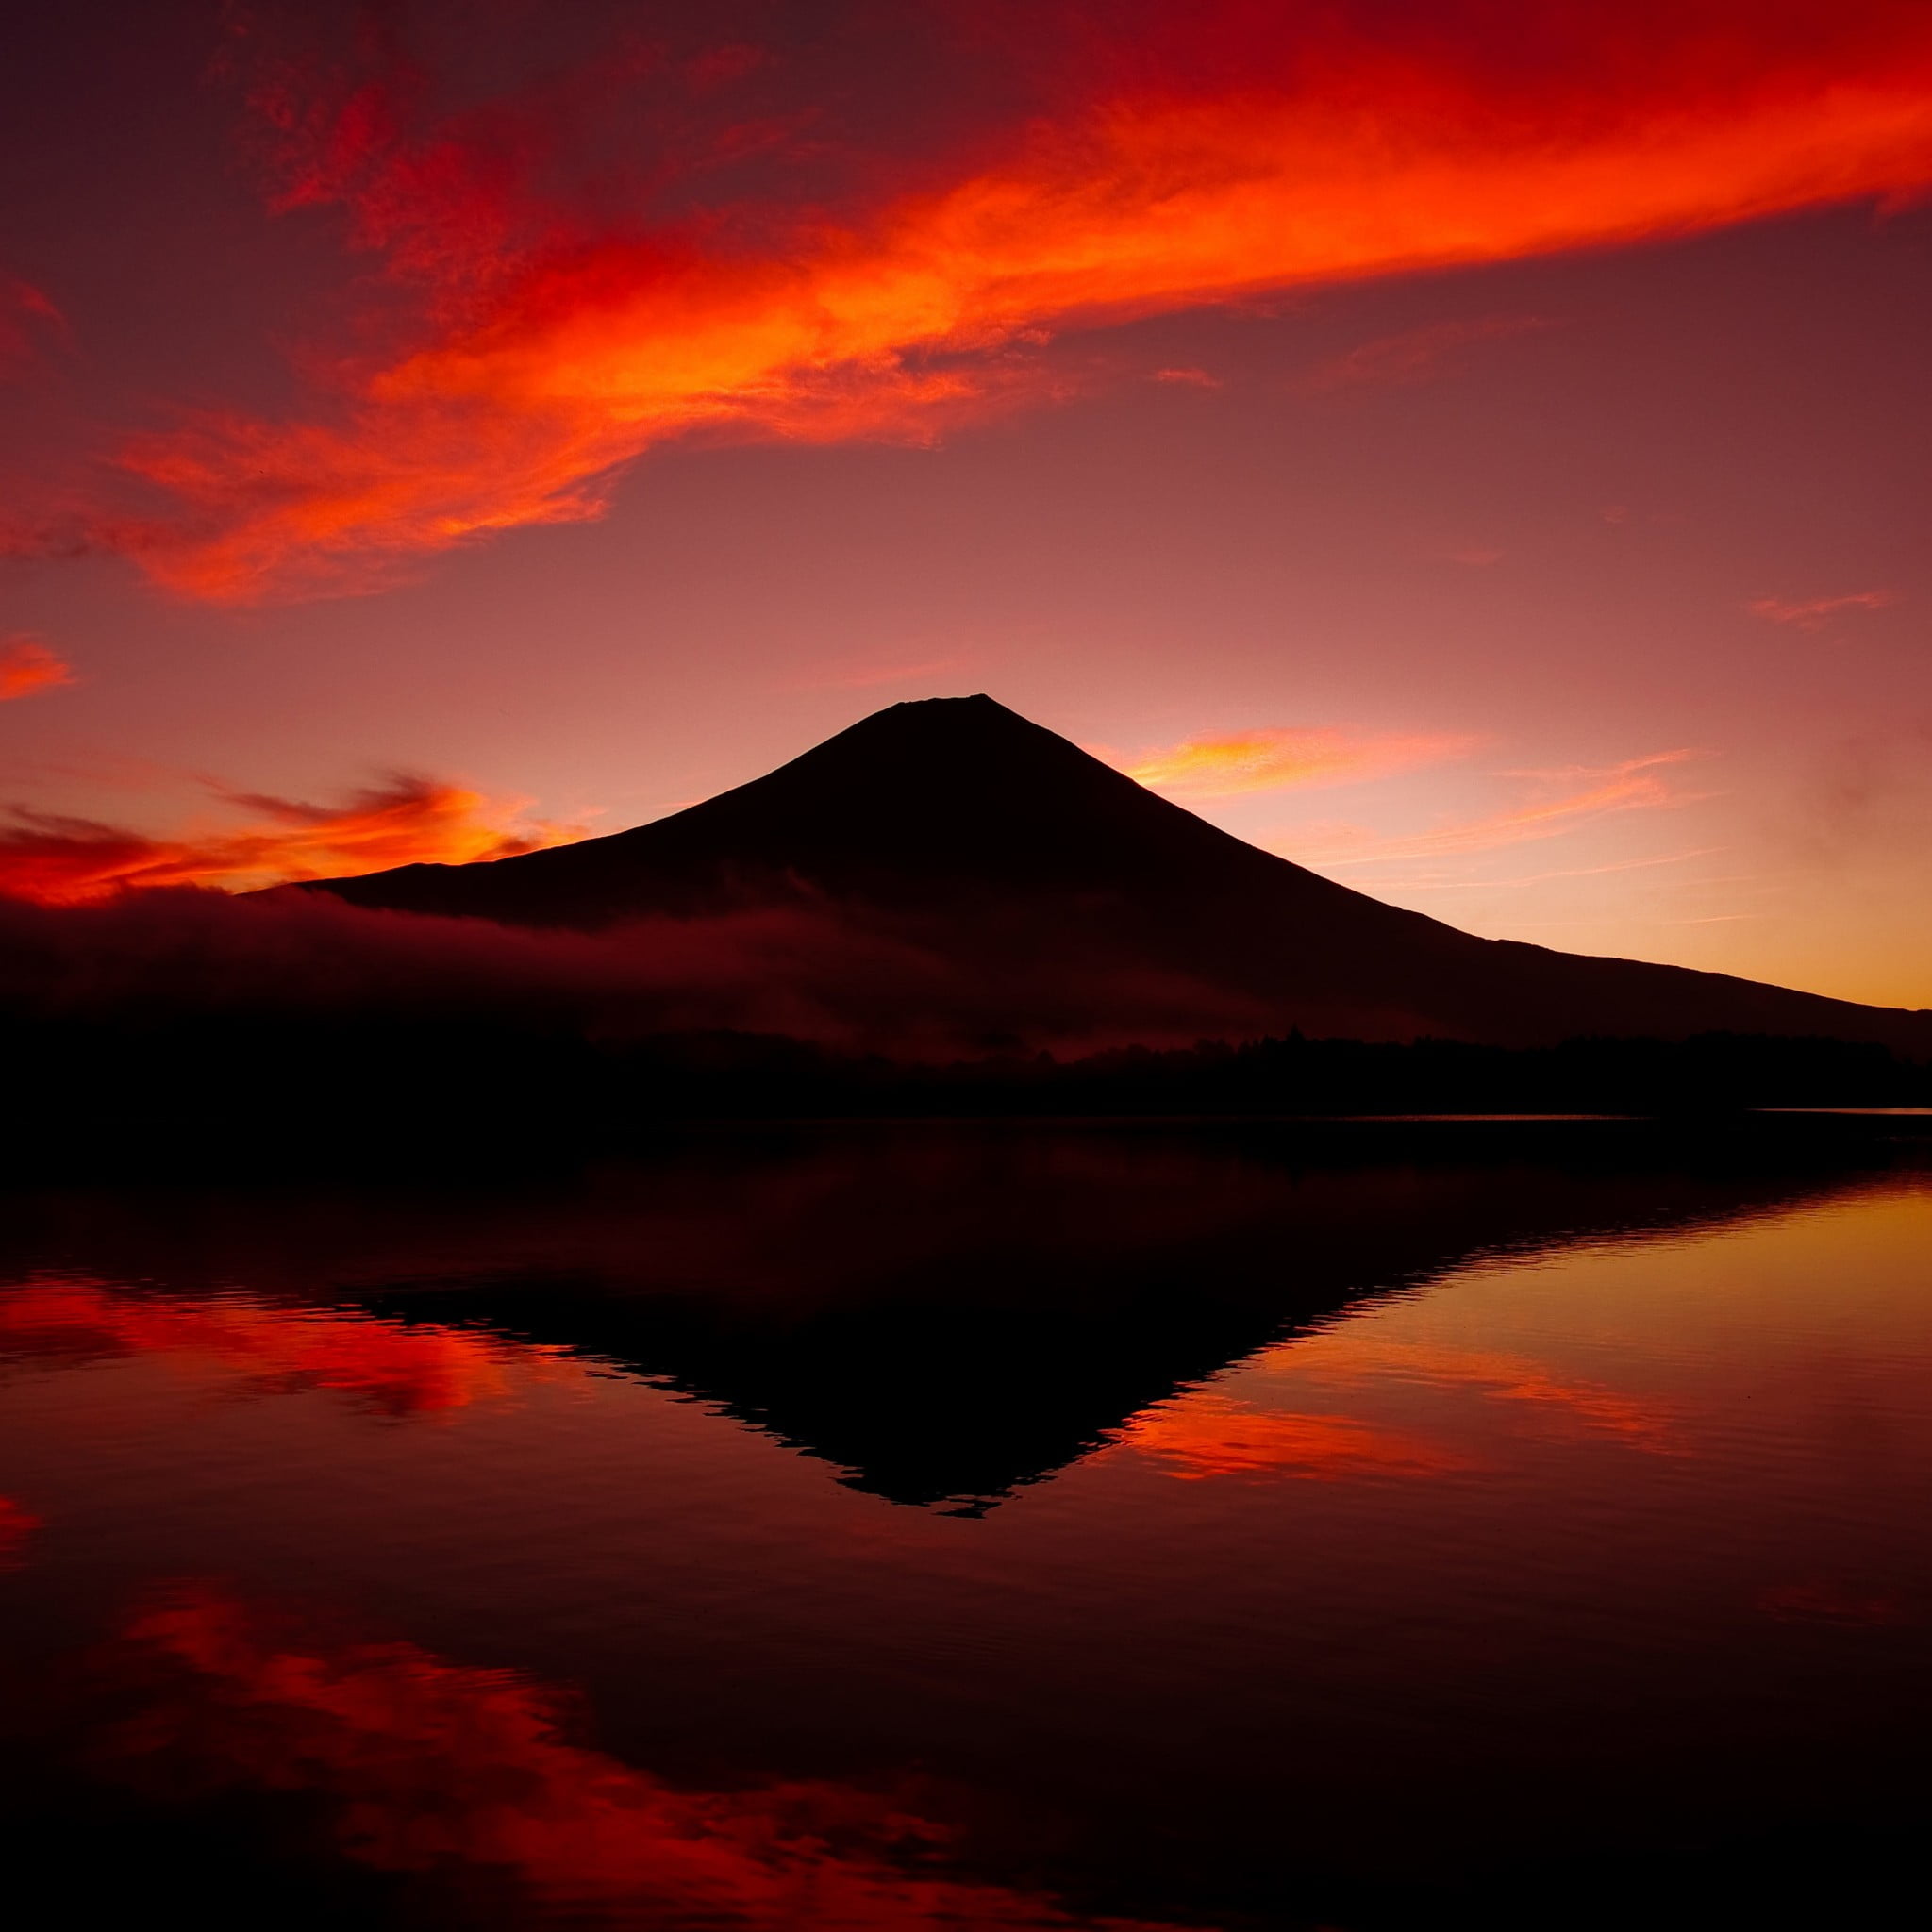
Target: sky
x,y
1475,448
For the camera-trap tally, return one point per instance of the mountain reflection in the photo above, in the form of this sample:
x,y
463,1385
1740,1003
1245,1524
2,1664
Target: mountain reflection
x,y
463,1782
942,1315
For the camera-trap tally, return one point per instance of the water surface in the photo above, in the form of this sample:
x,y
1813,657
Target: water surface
x,y
953,1527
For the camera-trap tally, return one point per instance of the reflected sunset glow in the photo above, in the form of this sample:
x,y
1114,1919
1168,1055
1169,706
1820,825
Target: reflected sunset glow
x,y
426,1766
1212,1435
381,1366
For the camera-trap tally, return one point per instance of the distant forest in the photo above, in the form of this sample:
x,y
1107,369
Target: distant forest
x,y
458,1078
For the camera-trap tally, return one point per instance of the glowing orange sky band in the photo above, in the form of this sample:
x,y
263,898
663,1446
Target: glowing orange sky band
x,y
408,821
601,351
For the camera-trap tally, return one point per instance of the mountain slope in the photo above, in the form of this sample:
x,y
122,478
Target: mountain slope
x,y
1000,844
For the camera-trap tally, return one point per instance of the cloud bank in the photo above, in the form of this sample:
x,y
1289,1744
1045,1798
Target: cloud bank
x,y
311,965
406,820
557,327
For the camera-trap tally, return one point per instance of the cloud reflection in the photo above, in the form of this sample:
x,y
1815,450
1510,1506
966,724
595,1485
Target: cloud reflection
x,y
389,1367
414,1765
1213,1435
1221,1431
17,1527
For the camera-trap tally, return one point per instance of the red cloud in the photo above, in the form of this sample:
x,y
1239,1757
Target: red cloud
x,y
1811,614
59,860
1210,153
26,665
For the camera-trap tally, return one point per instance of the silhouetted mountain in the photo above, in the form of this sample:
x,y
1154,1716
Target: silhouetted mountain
x,y
1010,851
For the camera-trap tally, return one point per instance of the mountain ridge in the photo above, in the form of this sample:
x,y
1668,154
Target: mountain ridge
x,y
994,840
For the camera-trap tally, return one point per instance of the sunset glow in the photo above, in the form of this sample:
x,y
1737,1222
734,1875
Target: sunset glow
x,y
426,1766
1334,161
1398,436
63,861
383,1366
965,966
1208,1434
1217,766
1270,1419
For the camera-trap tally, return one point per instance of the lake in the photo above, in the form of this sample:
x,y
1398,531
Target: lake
x,y
953,1525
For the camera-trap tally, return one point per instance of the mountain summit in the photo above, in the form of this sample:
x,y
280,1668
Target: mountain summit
x,y
1003,846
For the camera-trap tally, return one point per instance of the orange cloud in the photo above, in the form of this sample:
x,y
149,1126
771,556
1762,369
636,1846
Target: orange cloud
x,y
1814,614
58,861
1413,357
1207,1435
1193,379
26,665
1222,764
1321,148
1635,785
392,1368
463,1777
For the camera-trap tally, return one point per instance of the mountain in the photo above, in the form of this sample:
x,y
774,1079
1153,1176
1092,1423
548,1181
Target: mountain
x,y
999,843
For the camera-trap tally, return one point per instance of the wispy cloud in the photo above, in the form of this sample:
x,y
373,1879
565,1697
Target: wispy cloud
x,y
1815,613
28,320
1197,378
407,820
1271,758
27,666
550,342
1635,785
1413,356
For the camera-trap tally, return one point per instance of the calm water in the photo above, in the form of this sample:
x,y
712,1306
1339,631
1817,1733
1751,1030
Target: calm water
x,y
964,1527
